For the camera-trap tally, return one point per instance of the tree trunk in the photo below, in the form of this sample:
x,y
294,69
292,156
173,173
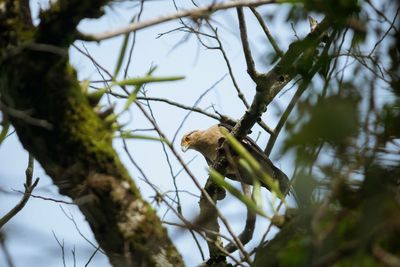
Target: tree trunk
x,y
42,98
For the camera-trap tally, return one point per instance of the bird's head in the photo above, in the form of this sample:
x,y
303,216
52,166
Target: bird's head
x,y
189,140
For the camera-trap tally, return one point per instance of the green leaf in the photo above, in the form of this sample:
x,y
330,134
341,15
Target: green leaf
x,y
128,135
121,54
132,97
219,180
139,81
4,131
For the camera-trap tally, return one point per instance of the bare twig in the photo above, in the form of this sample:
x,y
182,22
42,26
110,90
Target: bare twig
x,y
195,105
71,218
192,13
29,186
271,39
228,65
48,198
251,67
161,195
61,245
91,256
133,40
178,200
386,33
205,196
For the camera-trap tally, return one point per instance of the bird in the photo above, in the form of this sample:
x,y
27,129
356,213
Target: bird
x,y
208,142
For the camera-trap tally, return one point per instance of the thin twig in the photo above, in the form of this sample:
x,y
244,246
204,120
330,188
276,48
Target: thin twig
x,y
71,218
133,40
47,198
179,206
61,245
271,39
195,105
29,186
205,194
161,195
251,67
92,256
228,65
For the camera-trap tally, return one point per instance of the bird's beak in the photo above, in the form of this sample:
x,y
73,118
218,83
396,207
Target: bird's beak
x,y
184,147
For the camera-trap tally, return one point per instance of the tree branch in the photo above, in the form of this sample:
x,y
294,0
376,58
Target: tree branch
x,y
251,67
268,86
271,39
192,13
29,186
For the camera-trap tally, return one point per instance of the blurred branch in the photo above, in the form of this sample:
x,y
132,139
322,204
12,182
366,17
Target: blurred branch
x,y
247,233
29,186
194,14
6,252
302,87
386,258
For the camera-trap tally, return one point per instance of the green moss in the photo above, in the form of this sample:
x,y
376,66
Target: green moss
x,y
295,253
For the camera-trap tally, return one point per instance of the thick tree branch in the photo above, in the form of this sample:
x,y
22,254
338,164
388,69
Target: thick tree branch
x,y
192,13
268,86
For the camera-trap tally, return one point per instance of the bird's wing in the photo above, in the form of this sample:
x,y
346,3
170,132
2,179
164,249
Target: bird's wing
x,y
252,147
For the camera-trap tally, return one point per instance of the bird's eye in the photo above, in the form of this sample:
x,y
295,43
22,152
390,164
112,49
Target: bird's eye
x,y
187,138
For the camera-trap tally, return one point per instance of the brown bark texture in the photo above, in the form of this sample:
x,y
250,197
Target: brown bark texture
x,y
43,100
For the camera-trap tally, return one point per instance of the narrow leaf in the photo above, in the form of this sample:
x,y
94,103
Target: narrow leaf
x,y
253,163
128,135
219,180
147,79
132,97
4,132
121,54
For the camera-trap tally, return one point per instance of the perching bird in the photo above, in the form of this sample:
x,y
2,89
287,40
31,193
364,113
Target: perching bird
x,y
207,143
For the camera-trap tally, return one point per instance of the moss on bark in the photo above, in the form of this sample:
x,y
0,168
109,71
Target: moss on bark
x,y
76,151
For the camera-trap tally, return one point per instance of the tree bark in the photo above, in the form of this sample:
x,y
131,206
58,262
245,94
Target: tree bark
x,y
71,141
